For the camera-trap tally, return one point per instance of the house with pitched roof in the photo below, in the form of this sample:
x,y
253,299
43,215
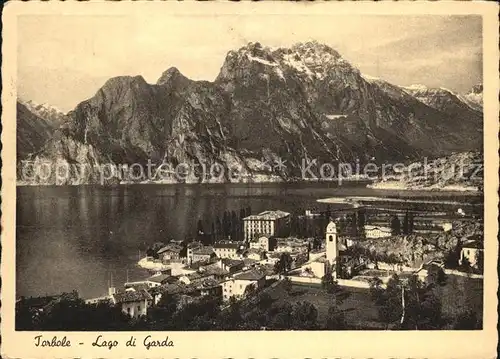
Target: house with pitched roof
x,y
133,302
471,251
170,253
200,254
226,249
238,284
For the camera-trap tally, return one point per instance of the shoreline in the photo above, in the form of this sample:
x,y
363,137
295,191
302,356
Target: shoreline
x,y
358,201
398,186
364,182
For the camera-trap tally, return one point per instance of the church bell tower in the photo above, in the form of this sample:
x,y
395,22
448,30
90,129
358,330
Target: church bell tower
x,y
332,252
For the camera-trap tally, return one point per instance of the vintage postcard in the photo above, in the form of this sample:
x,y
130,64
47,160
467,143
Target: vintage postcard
x,y
249,180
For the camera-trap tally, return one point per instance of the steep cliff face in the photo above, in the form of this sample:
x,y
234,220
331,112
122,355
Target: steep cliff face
x,y
50,114
266,105
33,131
474,98
465,121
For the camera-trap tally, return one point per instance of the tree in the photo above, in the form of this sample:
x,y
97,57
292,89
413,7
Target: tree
x,y
467,320
68,314
150,252
480,260
361,220
410,223
436,276
160,316
226,224
331,287
422,309
305,316
354,224
453,256
388,300
284,264
264,300
406,224
328,213
235,227
466,266
395,226
335,319
250,290
218,228
200,233
287,285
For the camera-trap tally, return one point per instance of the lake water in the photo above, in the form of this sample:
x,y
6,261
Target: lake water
x,y
74,237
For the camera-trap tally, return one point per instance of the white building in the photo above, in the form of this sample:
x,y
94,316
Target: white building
x,y
332,249
269,223
227,250
255,254
471,251
377,231
328,263
236,286
132,302
261,242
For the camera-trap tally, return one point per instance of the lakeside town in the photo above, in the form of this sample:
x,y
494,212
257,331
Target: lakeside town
x,y
334,269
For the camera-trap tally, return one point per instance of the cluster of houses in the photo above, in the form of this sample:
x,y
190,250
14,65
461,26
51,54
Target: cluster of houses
x,y
228,269
225,269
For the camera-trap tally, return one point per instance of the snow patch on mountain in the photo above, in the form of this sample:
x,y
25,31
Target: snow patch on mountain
x,y
298,65
335,117
416,87
370,78
280,73
44,107
260,60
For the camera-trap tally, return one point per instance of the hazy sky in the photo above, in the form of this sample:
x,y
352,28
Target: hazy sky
x,y
63,60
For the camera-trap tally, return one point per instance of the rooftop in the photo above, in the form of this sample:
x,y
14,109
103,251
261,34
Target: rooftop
x,y
159,278
132,296
254,251
174,288
381,228
170,248
231,262
248,262
231,245
252,274
204,263
267,215
203,250
473,244
137,286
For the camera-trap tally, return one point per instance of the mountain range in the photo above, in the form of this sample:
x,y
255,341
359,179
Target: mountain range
x,y
266,106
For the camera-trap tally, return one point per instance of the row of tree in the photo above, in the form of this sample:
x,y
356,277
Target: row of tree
x,y
409,304
404,304
230,225
405,228
350,224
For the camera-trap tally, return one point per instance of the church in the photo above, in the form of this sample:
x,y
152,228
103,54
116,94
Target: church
x,y
329,262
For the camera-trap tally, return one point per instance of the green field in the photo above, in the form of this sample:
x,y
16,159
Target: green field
x,y
458,295
356,303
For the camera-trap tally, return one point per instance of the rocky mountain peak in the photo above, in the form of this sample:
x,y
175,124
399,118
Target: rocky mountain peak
x,y
304,101
309,47
172,76
474,98
121,81
477,89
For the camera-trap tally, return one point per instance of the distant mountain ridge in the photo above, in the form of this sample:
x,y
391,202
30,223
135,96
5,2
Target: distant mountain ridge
x,y
291,104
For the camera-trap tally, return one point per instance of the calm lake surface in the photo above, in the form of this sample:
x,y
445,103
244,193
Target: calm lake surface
x,y
74,237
